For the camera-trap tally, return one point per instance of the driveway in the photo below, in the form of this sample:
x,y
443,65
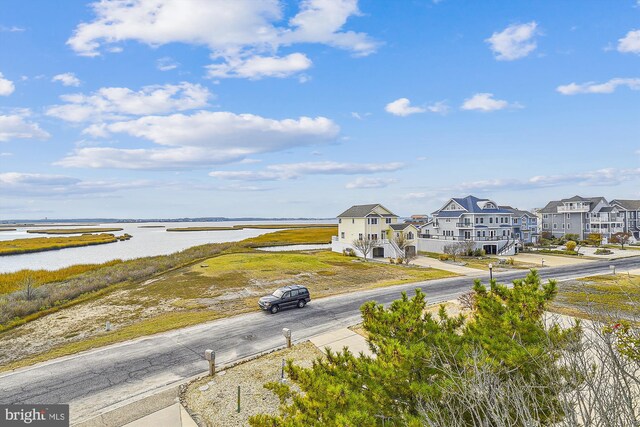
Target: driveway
x,y
617,253
424,261
549,260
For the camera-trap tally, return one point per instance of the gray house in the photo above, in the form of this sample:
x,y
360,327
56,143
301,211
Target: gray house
x,y
581,216
472,219
630,211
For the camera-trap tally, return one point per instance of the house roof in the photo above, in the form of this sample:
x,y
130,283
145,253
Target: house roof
x,y
631,205
400,227
471,204
518,212
361,211
552,207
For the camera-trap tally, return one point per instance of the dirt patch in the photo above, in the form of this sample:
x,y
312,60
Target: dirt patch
x,y
75,324
213,401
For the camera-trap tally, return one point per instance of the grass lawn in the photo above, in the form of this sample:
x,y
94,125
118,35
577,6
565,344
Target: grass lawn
x,y
632,247
39,244
596,296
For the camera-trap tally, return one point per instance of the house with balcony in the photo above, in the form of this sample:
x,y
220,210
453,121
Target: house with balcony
x,y
377,223
582,216
525,225
630,211
470,218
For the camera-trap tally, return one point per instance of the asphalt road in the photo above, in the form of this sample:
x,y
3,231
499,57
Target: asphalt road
x,y
96,380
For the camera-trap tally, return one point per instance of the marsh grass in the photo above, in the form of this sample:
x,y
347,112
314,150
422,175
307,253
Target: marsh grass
x,y
255,226
10,282
39,244
602,295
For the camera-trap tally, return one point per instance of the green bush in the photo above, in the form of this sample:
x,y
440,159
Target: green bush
x,y
602,251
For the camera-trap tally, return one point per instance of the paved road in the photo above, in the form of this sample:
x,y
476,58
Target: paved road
x,y
99,379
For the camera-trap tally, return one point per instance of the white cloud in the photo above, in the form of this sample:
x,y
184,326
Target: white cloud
x,y
486,102
166,64
18,126
202,138
360,116
288,171
630,43
514,42
257,67
439,107
402,107
18,183
6,86
363,183
67,79
112,103
592,87
243,35
12,29
589,179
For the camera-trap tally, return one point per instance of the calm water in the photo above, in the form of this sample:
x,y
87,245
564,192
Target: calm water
x,y
145,242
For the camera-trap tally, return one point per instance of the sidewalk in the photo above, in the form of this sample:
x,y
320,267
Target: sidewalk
x,y
174,415
424,261
340,338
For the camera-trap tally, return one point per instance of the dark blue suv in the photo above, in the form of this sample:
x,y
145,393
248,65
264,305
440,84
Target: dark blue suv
x,y
288,296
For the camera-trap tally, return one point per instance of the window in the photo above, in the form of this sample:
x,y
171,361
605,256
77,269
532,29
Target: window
x,y
563,226
569,225
294,293
478,234
555,226
372,221
545,226
545,216
491,220
388,220
481,220
568,216
286,295
374,237
353,221
339,220
476,220
360,236
342,235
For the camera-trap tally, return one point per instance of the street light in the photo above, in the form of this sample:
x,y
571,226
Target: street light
x,y
490,271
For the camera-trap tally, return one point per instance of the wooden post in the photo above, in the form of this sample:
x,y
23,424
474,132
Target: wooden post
x,y
210,355
238,399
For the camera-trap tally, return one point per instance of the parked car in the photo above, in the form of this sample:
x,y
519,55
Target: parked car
x,y
285,297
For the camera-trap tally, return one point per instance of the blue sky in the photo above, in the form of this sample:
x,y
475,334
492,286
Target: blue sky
x,y
177,108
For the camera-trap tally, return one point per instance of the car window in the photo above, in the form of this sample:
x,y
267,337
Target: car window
x,y
278,293
294,293
287,295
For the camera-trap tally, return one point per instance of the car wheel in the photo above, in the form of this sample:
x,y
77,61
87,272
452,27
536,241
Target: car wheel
x,y
274,309
301,303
